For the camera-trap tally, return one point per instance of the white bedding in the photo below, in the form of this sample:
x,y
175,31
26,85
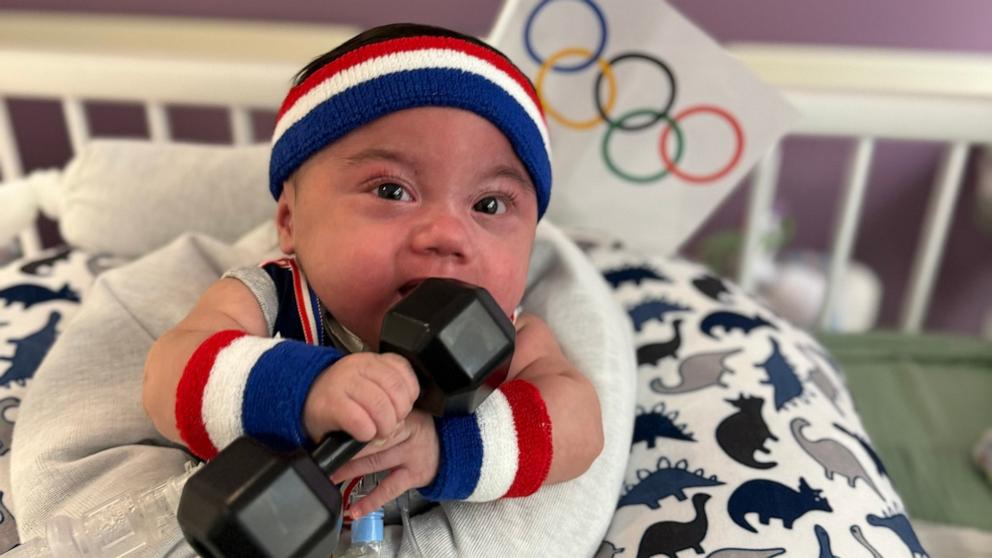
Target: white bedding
x,y
97,442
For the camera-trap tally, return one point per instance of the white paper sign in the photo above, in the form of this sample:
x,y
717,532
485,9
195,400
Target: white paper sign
x,y
652,122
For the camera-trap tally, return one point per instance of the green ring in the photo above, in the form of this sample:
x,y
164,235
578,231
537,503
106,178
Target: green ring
x,y
618,122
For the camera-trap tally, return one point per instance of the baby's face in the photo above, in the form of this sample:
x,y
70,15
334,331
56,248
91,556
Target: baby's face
x,y
424,192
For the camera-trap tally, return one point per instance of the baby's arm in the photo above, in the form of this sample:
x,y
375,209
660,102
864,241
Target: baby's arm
x,y
566,396
227,304
365,394
571,401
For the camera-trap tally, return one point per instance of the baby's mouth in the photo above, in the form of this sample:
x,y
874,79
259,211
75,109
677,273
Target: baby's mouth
x,y
409,286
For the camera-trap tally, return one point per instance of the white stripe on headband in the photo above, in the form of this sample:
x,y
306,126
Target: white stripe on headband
x,y
404,61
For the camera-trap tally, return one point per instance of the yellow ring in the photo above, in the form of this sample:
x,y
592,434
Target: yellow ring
x,y
603,66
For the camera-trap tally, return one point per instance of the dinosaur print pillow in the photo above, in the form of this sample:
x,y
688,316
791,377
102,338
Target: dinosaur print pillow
x,y
746,442
37,298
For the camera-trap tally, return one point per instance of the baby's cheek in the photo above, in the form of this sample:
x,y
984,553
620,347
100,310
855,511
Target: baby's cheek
x,y
508,291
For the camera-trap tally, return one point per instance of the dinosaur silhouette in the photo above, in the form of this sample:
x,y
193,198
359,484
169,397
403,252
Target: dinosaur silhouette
x,y
832,456
899,524
730,321
8,526
745,432
747,553
34,267
812,348
781,377
7,425
867,447
860,537
654,309
711,286
821,379
29,352
698,372
653,353
770,499
29,294
633,274
670,537
824,539
826,387
608,550
666,480
654,424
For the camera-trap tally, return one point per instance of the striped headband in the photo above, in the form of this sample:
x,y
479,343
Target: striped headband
x,y
396,74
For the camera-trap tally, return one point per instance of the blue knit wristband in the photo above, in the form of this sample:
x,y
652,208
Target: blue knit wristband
x,y
460,459
277,389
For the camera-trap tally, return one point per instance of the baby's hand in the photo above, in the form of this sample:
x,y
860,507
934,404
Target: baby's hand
x,y
366,395
412,455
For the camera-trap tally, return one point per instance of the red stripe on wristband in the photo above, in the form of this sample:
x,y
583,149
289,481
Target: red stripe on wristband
x,y
535,450
189,393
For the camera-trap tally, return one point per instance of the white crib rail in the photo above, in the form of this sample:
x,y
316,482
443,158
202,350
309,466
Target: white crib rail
x,y
155,82
862,94
156,61
870,95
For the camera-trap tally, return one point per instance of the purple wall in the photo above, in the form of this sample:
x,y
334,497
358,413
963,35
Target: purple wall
x,y
812,171
901,172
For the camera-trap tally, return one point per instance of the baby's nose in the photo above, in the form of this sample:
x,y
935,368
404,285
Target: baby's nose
x,y
441,233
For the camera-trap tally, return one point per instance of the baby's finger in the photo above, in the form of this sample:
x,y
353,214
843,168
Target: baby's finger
x,y
350,417
373,463
377,404
390,488
397,379
400,435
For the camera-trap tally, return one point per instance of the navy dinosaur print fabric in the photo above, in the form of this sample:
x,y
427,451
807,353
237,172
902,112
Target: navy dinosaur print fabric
x,y
38,296
746,442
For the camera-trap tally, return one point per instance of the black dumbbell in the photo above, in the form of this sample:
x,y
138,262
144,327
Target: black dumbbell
x,y
251,501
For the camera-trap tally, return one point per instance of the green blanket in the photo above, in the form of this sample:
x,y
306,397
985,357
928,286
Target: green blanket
x,y
925,400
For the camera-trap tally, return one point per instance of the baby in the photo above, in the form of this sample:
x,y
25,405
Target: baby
x,y
405,153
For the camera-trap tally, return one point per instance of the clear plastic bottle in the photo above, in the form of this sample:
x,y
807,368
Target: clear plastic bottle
x,y
121,526
366,531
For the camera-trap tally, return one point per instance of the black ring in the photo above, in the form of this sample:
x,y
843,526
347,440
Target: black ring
x,y
658,114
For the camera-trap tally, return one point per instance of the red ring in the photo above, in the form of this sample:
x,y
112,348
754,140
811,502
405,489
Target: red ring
x,y
739,150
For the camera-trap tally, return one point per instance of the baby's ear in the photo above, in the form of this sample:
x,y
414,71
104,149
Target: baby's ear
x,y
284,218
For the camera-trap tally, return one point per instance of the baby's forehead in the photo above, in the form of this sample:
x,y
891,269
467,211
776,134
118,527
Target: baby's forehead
x,y
428,138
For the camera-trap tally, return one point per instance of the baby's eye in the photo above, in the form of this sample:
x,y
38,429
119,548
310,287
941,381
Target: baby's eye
x,y
392,191
491,205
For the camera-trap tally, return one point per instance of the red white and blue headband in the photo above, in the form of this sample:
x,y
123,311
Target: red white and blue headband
x,y
396,74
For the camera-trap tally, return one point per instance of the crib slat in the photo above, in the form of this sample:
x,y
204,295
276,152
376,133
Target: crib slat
x,y
241,128
10,169
10,159
846,224
158,121
75,119
759,209
943,197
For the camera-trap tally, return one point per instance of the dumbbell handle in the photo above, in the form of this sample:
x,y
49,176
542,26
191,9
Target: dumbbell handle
x,y
335,450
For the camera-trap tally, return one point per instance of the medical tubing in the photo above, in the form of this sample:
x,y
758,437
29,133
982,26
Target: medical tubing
x,y
404,503
115,528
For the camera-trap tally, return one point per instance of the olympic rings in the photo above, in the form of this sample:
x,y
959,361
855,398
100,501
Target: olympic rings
x,y
604,110
619,124
604,70
658,115
720,173
593,56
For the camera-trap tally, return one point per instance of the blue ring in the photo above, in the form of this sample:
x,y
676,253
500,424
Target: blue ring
x,y
599,49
